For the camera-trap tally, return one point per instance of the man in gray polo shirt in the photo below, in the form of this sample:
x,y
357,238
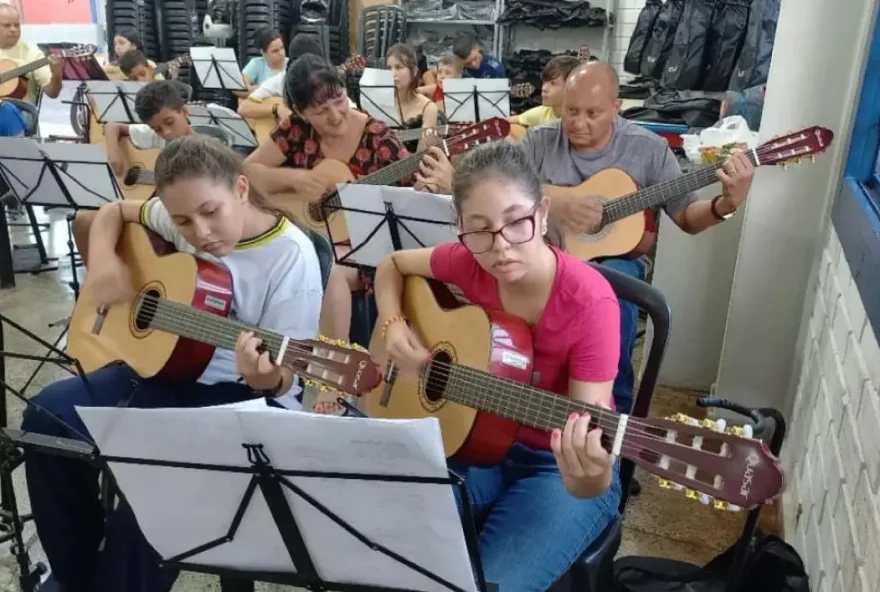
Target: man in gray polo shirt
x,y
590,137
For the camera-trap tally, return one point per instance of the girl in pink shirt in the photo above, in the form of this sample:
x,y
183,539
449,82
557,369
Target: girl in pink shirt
x,y
555,492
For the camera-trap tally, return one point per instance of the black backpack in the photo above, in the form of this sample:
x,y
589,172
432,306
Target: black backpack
x,y
772,566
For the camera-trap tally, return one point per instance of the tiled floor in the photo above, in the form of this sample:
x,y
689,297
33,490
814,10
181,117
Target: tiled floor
x,y
658,522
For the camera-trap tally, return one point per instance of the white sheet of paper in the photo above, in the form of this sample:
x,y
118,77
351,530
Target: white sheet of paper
x,y
227,75
458,100
377,96
54,116
111,106
180,509
493,97
407,203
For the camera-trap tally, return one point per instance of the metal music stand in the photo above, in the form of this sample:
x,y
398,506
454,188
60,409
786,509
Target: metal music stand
x,y
382,219
377,96
242,135
114,100
217,68
468,100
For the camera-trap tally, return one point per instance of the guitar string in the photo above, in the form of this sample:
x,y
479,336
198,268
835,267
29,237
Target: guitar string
x,y
224,329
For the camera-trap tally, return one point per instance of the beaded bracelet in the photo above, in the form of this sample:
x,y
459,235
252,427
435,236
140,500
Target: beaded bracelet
x,y
388,322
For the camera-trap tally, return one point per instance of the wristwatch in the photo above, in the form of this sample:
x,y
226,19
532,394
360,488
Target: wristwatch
x,y
716,213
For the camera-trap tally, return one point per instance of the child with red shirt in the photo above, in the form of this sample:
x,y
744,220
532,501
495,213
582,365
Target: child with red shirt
x,y
555,492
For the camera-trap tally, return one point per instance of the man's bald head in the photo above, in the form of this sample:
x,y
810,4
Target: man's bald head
x,y
10,25
595,76
10,10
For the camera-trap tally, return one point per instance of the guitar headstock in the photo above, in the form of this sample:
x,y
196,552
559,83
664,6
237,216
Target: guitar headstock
x,y
333,365
354,63
789,148
522,90
710,462
466,138
584,53
77,51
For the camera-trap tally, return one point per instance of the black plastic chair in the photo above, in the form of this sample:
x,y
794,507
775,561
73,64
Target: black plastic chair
x,y
325,254
594,569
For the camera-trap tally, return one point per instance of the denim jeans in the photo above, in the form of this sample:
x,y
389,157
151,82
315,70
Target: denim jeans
x,y
530,529
624,384
64,493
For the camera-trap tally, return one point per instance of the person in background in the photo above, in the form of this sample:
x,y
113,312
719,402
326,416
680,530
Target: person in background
x,y
448,67
273,61
415,110
12,122
476,63
46,79
136,67
209,209
555,491
553,77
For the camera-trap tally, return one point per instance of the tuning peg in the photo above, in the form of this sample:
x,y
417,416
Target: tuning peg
x,y
784,165
691,494
706,499
813,158
664,483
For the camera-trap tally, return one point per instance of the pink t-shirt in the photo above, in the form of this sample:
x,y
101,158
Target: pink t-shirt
x,y
578,335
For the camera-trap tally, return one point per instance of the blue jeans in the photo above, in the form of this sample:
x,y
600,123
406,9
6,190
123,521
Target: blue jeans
x,y
530,529
64,493
624,384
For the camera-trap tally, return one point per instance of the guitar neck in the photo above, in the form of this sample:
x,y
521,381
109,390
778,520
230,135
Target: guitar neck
x,y
657,195
23,70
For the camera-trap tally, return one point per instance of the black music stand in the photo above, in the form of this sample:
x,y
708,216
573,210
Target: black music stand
x,y
242,134
114,100
470,100
217,68
383,219
378,97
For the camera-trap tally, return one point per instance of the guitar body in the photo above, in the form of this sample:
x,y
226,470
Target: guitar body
x,y
312,217
615,239
263,126
179,277
134,160
17,87
495,341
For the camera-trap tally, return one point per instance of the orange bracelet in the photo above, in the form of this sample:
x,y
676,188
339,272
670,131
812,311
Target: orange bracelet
x,y
388,322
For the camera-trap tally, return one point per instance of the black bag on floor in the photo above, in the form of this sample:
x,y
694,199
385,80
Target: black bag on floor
x,y
726,36
662,36
772,566
641,34
684,66
693,108
754,59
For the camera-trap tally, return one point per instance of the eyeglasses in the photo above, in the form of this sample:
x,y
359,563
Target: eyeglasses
x,y
516,232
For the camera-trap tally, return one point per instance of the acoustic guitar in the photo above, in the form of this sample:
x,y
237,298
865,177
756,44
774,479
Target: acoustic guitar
x,y
623,212
320,212
13,83
477,384
138,181
179,316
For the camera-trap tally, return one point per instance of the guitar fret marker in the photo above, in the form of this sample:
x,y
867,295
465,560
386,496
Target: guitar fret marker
x,y
619,434
282,350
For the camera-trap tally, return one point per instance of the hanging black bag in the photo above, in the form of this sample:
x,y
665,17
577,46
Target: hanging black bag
x,y
726,36
684,66
641,34
753,64
662,36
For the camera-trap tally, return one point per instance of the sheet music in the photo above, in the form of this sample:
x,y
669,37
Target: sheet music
x,y
211,114
458,100
493,97
82,168
227,75
54,116
378,96
180,509
407,203
110,104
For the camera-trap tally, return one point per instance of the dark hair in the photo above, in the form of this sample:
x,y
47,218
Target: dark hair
x,y
407,56
311,80
507,162
559,66
158,95
131,60
204,157
131,35
463,45
303,44
264,37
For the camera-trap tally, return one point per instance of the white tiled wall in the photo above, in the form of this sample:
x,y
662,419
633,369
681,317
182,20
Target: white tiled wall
x,y
833,450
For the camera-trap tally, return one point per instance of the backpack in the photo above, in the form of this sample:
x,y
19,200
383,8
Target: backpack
x,y
772,566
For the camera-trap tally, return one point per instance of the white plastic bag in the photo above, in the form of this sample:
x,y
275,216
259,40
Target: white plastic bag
x,y
730,130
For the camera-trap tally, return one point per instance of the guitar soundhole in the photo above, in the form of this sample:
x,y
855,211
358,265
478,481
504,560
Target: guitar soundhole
x,y
146,311
437,377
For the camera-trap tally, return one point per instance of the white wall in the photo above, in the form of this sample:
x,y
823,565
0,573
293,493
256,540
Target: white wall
x,y
832,453
813,82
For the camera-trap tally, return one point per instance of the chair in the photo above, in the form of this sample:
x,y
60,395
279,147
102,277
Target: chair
x,y
325,254
594,569
29,112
